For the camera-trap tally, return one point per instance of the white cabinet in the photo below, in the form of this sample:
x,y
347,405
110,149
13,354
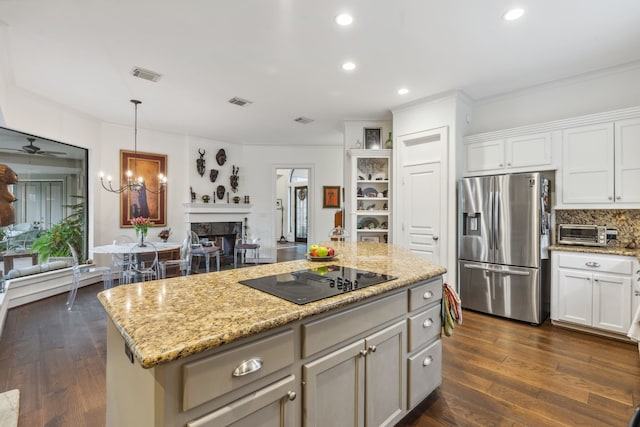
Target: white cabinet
x,y
359,384
592,290
514,154
627,162
370,200
601,165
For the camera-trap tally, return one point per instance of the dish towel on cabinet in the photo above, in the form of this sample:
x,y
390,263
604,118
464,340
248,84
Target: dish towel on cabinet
x,y
634,330
451,312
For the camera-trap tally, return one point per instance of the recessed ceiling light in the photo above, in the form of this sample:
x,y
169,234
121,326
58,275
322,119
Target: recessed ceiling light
x,y
348,66
344,19
403,91
513,14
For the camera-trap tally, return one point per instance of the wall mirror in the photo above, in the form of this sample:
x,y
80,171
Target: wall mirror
x,y
52,176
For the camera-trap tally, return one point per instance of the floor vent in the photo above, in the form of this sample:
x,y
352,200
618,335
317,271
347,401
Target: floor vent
x,y
239,101
303,120
152,76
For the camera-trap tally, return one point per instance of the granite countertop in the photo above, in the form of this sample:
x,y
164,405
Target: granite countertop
x,y
164,320
605,250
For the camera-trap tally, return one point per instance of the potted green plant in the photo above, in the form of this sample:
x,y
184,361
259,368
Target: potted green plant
x,y
53,241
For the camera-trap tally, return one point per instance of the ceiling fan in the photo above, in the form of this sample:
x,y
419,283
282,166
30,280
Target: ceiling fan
x,y
32,149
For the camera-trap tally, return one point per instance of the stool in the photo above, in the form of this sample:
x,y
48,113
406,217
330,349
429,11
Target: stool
x,y
241,249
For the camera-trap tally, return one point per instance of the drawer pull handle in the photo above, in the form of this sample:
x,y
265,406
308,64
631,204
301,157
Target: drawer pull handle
x,y
427,323
592,264
427,295
372,349
363,353
427,361
248,367
292,395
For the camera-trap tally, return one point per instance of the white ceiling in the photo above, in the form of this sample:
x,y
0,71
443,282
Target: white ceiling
x,y
286,56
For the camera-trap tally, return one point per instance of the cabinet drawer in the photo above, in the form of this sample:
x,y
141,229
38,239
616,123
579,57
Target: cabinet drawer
x,y
271,404
425,294
213,376
331,330
424,373
424,326
603,263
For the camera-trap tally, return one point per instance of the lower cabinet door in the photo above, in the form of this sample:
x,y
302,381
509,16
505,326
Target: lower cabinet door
x,y
269,406
334,388
575,297
384,376
424,373
611,305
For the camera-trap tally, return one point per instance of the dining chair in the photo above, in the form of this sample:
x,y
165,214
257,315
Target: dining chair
x,y
241,248
184,263
199,251
120,261
85,270
143,265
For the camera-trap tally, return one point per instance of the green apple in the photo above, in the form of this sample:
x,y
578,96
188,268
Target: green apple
x,y
313,248
322,251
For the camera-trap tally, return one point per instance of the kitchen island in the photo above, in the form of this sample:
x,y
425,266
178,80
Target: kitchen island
x,y
206,350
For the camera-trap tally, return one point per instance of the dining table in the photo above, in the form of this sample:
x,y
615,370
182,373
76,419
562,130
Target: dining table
x,y
125,249
134,247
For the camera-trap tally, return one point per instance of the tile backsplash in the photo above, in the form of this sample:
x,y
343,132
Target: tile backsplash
x,y
626,221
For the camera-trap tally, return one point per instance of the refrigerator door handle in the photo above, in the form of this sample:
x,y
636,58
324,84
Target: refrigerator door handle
x,y
514,273
495,270
475,267
496,221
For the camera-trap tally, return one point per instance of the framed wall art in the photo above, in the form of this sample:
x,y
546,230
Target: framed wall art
x,y
331,196
148,204
372,138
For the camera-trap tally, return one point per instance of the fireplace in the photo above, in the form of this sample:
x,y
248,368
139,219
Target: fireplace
x,y
220,223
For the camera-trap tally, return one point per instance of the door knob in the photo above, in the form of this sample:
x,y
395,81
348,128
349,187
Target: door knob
x,y
435,238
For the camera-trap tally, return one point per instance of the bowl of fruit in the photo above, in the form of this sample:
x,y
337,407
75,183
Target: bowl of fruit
x,y
320,253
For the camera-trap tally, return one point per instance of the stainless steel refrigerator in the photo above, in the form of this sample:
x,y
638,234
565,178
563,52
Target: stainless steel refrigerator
x,y
503,239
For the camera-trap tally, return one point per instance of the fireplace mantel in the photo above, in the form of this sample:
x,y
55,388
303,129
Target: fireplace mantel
x,y
215,212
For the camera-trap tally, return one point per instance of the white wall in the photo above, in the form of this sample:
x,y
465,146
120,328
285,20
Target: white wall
x,y
607,90
261,163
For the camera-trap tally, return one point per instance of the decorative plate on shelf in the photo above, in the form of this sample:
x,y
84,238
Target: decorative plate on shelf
x,y
368,223
319,258
370,192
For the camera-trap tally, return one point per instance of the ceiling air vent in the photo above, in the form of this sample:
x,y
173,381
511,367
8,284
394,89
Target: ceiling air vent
x,y
239,101
303,120
146,74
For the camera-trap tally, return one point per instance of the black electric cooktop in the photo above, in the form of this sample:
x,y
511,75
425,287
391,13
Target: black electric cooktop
x,y
305,286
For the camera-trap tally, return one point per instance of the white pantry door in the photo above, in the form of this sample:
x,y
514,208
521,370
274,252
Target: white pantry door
x,y
422,209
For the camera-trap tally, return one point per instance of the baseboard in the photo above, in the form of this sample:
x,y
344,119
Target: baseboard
x,y
592,331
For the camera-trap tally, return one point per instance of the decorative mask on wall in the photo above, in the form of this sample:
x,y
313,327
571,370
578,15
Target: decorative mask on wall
x,y
234,179
221,157
213,175
200,163
220,191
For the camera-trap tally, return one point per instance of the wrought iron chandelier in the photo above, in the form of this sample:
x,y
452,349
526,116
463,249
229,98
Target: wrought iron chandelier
x,y
132,184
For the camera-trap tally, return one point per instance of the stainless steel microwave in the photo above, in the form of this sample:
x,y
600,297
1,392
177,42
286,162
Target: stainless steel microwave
x,y
582,234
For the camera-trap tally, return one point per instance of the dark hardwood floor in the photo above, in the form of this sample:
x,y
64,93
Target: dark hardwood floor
x,y
496,372
499,372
